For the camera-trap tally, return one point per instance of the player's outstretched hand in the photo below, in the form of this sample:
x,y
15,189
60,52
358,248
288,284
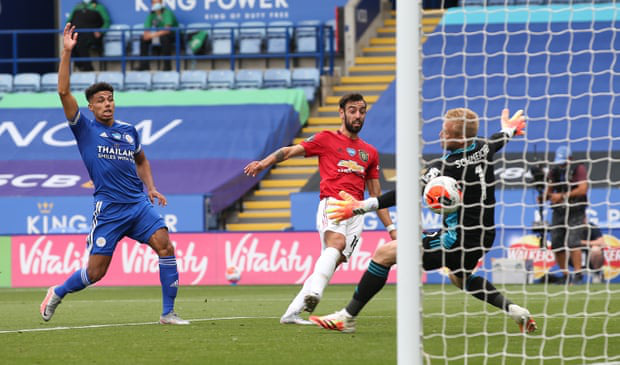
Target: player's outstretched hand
x,y
154,194
253,168
516,123
340,210
69,37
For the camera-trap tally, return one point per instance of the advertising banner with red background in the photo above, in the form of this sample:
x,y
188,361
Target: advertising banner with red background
x,y
202,258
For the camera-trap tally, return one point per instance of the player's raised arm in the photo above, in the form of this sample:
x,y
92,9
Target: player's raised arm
x,y
69,104
282,154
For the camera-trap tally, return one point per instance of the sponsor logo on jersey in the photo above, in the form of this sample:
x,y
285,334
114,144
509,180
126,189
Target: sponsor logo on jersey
x,y
104,135
350,151
115,153
117,136
363,155
349,166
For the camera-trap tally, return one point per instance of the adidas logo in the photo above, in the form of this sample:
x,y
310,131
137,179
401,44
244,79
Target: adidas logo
x,y
104,135
175,284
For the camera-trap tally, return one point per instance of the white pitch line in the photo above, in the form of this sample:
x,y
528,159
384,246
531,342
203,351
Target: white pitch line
x,y
46,329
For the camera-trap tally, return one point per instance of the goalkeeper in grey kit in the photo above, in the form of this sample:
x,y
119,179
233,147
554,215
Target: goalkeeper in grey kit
x,y
467,233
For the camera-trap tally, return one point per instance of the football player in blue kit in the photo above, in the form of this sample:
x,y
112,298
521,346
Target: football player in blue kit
x,y
118,167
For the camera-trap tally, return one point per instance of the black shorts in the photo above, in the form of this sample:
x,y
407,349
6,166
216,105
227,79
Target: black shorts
x,y
568,228
462,257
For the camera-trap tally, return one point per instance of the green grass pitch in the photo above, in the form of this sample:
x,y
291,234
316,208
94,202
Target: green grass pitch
x,y
239,325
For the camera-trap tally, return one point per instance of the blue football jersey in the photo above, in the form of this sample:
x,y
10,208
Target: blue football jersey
x,y
108,153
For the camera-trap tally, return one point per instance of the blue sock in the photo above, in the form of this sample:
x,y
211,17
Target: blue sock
x,y
76,282
169,278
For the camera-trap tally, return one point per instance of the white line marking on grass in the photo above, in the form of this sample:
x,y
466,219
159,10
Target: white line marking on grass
x,y
46,329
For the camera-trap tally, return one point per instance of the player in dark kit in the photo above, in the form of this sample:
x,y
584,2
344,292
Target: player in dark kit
x,y
467,234
346,162
117,165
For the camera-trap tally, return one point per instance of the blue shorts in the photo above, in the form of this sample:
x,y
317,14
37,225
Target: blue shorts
x,y
113,221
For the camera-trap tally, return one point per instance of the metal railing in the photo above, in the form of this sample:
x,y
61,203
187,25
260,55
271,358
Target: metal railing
x,y
321,55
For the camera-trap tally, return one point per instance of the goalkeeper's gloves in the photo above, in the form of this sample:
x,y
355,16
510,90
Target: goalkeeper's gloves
x,y
515,125
340,210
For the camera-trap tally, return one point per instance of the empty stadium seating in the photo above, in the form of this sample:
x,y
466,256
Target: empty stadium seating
x,y
224,37
249,79
26,82
113,78
6,83
219,79
307,79
307,35
279,36
115,39
251,37
138,80
82,80
165,80
49,82
196,79
277,78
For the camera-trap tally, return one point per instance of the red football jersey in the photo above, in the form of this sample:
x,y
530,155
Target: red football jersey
x,y
344,163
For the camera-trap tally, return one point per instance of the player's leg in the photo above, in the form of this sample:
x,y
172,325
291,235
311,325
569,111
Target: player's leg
x,y
370,284
577,228
462,263
104,234
150,228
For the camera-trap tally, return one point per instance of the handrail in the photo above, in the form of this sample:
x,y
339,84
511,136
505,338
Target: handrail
x,y
180,55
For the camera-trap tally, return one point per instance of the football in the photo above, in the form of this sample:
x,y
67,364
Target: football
x,y
233,274
443,194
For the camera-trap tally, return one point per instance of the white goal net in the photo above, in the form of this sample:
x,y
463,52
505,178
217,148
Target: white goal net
x,y
560,63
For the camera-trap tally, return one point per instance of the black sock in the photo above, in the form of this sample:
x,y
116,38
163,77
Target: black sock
x,y
372,281
485,291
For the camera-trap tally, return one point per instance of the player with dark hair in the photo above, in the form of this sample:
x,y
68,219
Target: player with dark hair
x,y
346,162
117,165
467,234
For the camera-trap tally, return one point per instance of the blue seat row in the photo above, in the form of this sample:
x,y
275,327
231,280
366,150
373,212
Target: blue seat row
x,y
247,37
306,78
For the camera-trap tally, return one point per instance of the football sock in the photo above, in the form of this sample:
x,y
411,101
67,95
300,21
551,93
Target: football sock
x,y
76,282
485,291
297,305
169,278
324,269
371,283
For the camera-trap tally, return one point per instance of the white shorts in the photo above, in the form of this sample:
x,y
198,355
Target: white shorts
x,y
350,228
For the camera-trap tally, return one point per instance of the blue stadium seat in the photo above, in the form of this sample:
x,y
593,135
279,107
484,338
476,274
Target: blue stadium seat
x,y
134,39
276,36
245,79
138,80
49,82
113,78
6,83
224,79
251,36
165,80
307,35
196,79
113,40
26,82
82,80
277,78
221,37
307,79
326,30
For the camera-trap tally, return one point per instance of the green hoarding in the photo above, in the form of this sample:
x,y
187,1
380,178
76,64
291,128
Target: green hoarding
x,y
5,262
